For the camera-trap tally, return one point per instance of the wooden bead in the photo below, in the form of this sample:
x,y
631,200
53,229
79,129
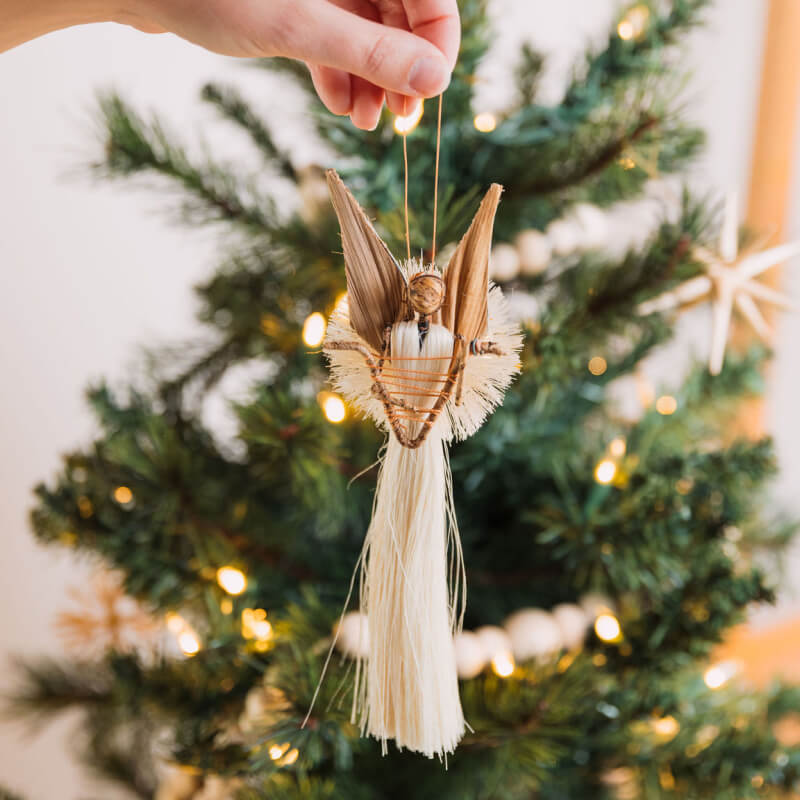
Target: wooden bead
x,y
426,293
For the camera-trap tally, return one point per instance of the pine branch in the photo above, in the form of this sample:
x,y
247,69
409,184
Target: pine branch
x,y
213,192
232,106
46,687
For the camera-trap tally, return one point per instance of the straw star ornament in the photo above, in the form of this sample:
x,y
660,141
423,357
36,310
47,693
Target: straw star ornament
x,y
729,281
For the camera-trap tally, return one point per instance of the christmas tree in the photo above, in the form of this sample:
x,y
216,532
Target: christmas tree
x,y
607,549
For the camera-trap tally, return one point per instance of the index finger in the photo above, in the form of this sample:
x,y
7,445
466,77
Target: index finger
x,y
437,21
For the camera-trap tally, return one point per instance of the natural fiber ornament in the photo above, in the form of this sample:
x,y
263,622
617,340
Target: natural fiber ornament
x,y
427,355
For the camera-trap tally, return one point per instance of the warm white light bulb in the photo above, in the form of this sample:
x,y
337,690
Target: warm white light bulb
x,y
485,122
716,676
666,727
232,580
314,329
404,124
277,750
666,404
607,628
333,407
605,471
617,447
503,664
188,642
123,495
597,365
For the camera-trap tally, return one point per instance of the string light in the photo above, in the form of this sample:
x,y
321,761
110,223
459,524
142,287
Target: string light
x,y
332,406
226,606
626,162
277,750
716,676
607,628
617,447
404,124
666,727
503,665
625,29
188,641
232,580
605,471
123,495
256,626
289,758
597,365
633,23
485,122
314,329
666,405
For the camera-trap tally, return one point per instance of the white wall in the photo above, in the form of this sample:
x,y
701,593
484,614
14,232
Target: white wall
x,y
88,272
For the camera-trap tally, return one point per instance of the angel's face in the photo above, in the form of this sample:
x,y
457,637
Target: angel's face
x,y
426,293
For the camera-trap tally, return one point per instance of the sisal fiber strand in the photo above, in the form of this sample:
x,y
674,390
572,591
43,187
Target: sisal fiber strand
x,y
411,689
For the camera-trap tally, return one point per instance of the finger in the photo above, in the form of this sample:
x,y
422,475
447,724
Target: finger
x,y
319,32
393,14
333,87
367,104
437,21
401,104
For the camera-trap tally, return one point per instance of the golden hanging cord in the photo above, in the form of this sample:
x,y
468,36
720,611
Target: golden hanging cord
x,y
405,180
435,181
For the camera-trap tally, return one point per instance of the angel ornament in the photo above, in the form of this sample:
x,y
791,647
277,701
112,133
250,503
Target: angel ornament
x,y
427,355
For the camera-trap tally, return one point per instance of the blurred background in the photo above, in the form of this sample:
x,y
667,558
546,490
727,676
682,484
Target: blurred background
x,y
90,271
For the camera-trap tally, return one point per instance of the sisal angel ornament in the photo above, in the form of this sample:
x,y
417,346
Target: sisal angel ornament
x,y
426,355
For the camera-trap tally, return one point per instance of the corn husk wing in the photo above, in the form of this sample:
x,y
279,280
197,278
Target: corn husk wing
x,y
465,308
375,283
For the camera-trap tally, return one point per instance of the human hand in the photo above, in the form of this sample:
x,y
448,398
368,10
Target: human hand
x,y
359,52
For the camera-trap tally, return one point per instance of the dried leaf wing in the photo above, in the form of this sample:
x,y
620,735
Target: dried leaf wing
x,y
465,308
375,284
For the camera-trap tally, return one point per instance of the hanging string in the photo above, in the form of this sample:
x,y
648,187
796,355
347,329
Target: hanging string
x,y
436,180
405,180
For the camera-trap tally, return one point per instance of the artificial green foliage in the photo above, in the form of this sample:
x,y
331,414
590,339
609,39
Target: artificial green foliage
x,y
678,540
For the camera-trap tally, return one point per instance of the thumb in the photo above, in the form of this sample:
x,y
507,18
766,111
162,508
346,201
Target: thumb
x,y
394,59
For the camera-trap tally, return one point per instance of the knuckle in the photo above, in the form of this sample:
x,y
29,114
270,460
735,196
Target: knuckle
x,y
377,55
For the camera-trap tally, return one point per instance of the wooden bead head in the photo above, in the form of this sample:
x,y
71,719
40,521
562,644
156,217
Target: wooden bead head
x,y
426,293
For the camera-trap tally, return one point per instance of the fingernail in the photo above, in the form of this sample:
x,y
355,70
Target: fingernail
x,y
428,76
